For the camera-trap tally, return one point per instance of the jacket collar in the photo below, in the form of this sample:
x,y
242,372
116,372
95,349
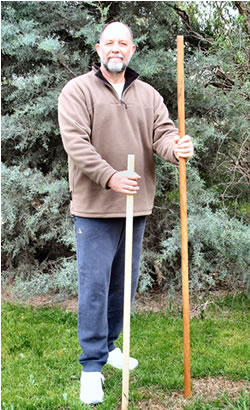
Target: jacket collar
x,y
130,75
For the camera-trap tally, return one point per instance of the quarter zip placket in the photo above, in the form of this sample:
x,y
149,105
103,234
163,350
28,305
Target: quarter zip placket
x,y
114,92
130,77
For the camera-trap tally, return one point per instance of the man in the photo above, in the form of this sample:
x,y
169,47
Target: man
x,y
105,115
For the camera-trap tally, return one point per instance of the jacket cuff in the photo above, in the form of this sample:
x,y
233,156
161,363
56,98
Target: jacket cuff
x,y
175,159
106,177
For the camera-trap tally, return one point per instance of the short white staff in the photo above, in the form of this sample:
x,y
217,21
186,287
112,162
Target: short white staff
x,y
127,289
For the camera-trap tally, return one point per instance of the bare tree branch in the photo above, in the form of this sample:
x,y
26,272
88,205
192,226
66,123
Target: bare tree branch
x,y
185,18
244,11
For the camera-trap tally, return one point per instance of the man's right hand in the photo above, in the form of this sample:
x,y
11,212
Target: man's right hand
x,y
124,182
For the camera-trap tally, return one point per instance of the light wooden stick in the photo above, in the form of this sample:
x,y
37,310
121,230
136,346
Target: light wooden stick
x,y
127,290
183,213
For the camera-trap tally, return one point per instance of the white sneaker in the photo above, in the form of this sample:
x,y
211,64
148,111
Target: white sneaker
x,y
115,359
91,387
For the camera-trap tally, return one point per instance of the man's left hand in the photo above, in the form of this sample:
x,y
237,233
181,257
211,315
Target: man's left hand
x,y
183,147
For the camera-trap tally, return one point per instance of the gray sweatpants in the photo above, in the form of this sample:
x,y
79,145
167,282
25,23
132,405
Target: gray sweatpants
x,y
100,262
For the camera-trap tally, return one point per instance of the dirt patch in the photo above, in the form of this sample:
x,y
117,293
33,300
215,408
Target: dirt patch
x,y
207,389
48,300
159,302
152,301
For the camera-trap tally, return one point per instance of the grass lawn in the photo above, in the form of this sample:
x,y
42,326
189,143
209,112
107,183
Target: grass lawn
x,y
40,352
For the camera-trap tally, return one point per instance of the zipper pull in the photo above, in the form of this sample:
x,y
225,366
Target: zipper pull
x,y
123,102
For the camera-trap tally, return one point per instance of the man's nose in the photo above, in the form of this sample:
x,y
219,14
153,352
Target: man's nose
x,y
115,47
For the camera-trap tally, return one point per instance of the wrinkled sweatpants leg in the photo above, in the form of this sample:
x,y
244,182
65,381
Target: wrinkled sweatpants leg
x,y
100,263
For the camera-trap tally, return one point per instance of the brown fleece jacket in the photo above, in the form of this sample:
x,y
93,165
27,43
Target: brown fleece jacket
x,y
99,131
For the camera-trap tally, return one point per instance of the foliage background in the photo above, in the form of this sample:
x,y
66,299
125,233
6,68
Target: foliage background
x,y
44,45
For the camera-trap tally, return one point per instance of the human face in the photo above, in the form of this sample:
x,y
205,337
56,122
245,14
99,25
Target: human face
x,y
115,49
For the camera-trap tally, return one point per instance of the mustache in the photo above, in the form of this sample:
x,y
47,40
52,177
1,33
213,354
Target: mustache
x,y
116,56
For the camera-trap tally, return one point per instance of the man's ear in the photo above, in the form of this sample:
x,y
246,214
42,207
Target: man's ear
x,y
98,47
133,48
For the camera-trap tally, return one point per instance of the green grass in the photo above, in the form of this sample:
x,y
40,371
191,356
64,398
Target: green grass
x,y
40,349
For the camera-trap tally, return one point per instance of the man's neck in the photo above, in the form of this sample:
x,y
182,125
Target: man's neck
x,y
114,78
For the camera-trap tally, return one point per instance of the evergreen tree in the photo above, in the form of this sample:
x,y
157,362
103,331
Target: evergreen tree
x,y
44,45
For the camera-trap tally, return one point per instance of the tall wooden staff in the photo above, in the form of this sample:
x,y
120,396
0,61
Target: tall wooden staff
x,y
183,213
127,289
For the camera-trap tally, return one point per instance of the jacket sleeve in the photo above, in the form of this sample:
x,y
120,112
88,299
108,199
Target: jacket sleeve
x,y
164,131
75,127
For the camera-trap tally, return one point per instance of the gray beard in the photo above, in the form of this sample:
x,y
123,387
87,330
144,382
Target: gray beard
x,y
114,67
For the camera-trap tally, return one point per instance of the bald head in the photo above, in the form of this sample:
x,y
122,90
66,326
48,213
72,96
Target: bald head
x,y
116,26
